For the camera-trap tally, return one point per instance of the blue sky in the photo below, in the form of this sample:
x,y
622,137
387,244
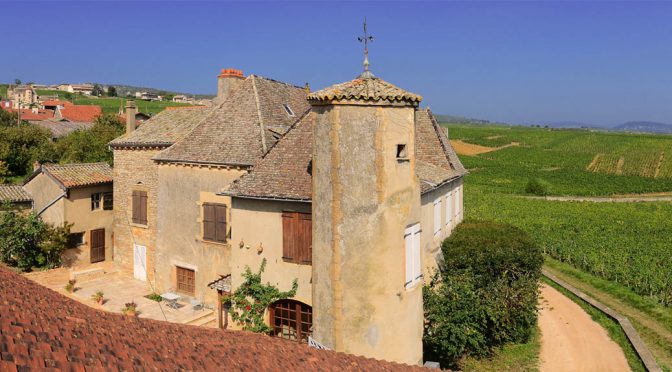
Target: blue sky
x,y
520,62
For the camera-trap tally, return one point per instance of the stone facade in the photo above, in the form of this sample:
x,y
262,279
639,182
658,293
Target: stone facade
x,y
134,169
364,198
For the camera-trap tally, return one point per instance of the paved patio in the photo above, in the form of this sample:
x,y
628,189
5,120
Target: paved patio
x,y
119,290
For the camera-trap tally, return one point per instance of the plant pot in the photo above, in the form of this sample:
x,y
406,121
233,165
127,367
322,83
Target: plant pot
x,y
101,302
131,313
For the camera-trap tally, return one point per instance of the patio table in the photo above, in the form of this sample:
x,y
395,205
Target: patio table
x,y
171,299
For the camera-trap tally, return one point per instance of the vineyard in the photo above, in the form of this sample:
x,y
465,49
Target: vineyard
x,y
625,243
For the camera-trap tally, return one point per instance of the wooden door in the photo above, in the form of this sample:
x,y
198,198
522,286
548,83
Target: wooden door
x,y
97,245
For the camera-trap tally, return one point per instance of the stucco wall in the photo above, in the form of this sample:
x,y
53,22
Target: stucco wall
x,y
134,169
78,212
258,223
44,190
181,191
363,200
430,242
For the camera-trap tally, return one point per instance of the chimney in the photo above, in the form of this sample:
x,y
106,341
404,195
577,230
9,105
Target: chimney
x,y
36,165
131,110
228,79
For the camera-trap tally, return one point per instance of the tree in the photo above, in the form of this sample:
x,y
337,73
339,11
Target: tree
x,y
17,81
111,91
90,145
27,242
97,90
21,145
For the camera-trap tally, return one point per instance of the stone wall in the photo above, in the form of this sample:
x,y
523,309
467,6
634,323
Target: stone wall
x,y
134,169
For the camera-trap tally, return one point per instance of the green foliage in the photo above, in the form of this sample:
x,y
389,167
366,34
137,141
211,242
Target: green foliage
x,y
154,297
27,242
22,145
97,90
537,186
111,91
485,294
90,145
251,299
4,172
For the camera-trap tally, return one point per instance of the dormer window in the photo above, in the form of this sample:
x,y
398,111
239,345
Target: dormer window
x,y
288,109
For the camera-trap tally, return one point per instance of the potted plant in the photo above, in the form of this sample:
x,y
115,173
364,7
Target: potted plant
x,y
70,287
130,309
98,297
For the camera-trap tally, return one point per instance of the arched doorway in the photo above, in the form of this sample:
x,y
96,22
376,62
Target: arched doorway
x,y
292,320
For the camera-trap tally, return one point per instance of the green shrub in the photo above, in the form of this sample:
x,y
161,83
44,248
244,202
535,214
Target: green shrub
x,y
537,186
485,294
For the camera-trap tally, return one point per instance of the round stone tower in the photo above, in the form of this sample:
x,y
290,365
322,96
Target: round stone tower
x,y
365,198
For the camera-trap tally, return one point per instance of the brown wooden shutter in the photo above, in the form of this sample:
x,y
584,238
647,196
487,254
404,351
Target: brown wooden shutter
x,y
136,207
220,223
143,207
288,236
209,232
305,232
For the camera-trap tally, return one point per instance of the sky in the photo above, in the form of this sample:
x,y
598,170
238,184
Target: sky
x,y
518,62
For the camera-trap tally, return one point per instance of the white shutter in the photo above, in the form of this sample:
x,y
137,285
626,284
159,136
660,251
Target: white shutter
x,y
437,216
417,260
449,208
408,240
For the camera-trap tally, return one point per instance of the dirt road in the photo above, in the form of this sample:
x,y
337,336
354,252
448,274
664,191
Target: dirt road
x,y
572,341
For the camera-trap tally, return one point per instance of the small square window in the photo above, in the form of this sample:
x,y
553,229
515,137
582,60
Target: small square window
x,y
75,240
288,109
402,152
95,201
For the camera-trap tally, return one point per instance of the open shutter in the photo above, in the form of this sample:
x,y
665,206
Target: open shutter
x,y
437,216
417,261
143,207
305,237
209,222
136,207
408,241
288,236
449,208
220,223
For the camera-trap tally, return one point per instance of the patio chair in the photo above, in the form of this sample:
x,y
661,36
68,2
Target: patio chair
x,y
197,303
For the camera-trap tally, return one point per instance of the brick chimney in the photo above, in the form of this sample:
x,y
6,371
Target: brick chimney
x,y
131,110
228,79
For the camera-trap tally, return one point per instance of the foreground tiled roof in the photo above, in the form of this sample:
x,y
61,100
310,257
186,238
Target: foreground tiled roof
x,y
163,129
76,175
244,126
285,172
13,193
60,128
43,330
370,89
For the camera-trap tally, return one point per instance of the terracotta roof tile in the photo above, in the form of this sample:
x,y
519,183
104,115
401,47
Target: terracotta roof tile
x,y
285,172
14,193
76,175
42,329
371,89
81,113
28,114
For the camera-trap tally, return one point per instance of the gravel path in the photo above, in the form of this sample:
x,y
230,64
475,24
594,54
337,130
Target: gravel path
x,y
572,341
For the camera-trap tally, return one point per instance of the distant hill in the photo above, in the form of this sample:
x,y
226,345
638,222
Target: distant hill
x,y
644,126
123,90
573,124
459,119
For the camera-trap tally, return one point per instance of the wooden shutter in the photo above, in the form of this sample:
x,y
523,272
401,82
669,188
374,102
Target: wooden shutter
x,y
143,207
408,241
288,253
108,201
417,259
305,238
186,280
136,207
220,223
437,216
209,229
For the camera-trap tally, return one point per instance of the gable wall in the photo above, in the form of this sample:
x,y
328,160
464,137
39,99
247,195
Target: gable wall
x,y
44,190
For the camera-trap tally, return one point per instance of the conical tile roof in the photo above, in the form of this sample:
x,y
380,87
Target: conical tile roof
x,y
368,89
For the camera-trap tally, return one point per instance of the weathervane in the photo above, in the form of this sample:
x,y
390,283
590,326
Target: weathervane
x,y
366,39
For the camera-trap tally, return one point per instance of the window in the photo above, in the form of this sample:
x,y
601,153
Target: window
x,y
186,280
288,109
95,201
292,320
449,208
214,222
402,152
413,264
297,241
140,207
437,216
108,201
75,240
458,201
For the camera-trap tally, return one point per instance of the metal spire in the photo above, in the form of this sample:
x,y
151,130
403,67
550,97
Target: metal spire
x,y
366,39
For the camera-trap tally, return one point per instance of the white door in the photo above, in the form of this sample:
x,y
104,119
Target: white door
x,y
140,262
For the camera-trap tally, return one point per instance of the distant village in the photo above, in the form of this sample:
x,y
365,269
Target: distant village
x,y
48,106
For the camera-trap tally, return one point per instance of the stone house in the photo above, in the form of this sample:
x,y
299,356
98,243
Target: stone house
x,y
81,195
349,190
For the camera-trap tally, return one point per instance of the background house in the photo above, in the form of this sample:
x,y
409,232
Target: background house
x,y
81,195
16,196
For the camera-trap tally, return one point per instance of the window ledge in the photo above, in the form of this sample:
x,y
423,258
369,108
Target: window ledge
x,y
139,225
211,242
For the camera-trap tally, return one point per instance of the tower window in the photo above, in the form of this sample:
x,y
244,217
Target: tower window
x,y
402,152
288,109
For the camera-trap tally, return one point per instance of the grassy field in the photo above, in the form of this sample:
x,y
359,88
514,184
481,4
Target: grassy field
x,y
3,90
511,358
573,162
111,104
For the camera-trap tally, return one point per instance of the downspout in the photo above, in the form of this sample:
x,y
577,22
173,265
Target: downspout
x,y
52,202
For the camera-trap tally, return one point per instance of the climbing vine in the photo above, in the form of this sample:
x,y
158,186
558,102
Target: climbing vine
x,y
250,300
